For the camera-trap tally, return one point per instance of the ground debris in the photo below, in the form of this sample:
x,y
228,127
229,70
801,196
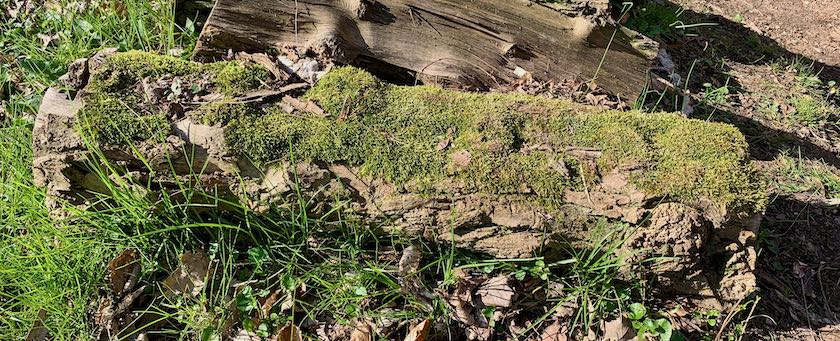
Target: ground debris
x,y
189,277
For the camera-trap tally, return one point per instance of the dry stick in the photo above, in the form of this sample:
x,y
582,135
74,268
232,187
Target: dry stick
x,y
727,319
749,317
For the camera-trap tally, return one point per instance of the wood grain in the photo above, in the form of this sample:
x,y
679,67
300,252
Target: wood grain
x,y
475,44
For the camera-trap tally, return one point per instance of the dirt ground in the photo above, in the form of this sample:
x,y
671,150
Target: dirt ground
x,y
737,77
807,27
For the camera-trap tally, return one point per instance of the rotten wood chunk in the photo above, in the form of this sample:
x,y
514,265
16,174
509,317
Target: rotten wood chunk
x,y
481,44
508,175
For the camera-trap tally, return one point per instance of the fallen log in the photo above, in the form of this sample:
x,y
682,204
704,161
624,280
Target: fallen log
x,y
505,174
479,44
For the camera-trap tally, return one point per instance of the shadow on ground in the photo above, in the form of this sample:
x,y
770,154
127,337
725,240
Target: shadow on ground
x,y
799,261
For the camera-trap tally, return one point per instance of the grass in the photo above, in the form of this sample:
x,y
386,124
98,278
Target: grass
x,y
794,174
802,99
57,265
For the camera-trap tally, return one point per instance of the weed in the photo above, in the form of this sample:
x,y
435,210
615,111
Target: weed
x,y
797,175
647,326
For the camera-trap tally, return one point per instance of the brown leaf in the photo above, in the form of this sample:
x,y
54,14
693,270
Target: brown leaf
x,y
419,331
244,335
361,333
446,141
124,271
555,332
307,106
409,261
189,278
289,332
496,292
38,332
462,158
618,329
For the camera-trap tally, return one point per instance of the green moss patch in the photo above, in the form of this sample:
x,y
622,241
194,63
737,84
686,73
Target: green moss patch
x,y
500,143
116,111
497,143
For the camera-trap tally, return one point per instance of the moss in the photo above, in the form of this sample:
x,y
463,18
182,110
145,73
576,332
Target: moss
x,y
125,69
116,113
498,143
233,77
395,132
223,111
112,122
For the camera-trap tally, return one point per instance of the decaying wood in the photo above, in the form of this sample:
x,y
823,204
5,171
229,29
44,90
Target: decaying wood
x,y
471,44
709,255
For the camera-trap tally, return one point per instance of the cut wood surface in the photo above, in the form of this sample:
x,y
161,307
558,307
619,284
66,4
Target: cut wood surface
x,y
466,44
504,174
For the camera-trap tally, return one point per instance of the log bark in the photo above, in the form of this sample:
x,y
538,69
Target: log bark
x,y
476,44
709,248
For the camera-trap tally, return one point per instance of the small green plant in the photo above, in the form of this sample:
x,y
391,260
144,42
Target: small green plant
x,y
716,95
654,19
710,317
646,326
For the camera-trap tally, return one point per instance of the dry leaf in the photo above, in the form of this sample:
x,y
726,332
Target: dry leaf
x,y
38,332
446,141
289,332
244,335
555,332
189,277
409,261
124,271
618,329
419,331
361,333
307,106
496,292
462,158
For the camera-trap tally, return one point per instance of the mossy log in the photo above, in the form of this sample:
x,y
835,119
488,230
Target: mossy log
x,y
477,44
505,174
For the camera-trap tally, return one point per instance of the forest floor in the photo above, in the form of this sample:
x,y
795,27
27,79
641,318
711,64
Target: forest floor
x,y
770,68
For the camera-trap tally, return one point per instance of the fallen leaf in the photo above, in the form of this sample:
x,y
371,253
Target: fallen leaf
x,y
555,332
289,332
124,271
189,277
618,329
462,158
244,335
801,270
38,332
361,333
307,106
496,292
409,261
447,140
419,331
